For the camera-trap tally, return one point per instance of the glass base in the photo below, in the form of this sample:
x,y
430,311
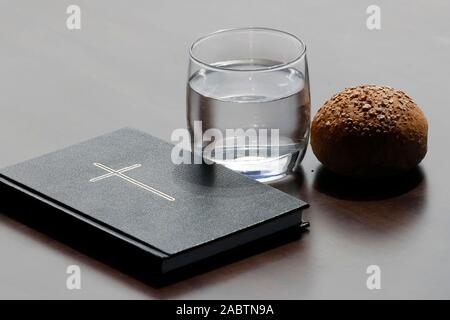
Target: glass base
x,y
262,169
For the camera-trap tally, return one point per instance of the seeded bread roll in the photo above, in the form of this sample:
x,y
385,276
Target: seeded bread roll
x,y
369,131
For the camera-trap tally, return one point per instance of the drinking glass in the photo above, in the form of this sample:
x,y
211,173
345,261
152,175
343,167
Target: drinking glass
x,y
248,101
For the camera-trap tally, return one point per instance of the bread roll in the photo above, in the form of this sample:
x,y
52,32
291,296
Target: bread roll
x,y
369,131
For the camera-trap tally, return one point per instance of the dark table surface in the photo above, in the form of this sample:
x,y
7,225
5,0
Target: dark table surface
x,y
127,67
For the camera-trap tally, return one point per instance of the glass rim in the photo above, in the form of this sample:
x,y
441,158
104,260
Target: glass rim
x,y
262,69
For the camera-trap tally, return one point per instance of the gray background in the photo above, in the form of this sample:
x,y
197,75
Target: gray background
x,y
127,67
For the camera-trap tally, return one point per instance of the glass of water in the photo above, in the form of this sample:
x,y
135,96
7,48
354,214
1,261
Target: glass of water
x,y
248,101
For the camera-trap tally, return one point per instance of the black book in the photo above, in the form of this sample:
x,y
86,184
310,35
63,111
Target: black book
x,y
121,192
